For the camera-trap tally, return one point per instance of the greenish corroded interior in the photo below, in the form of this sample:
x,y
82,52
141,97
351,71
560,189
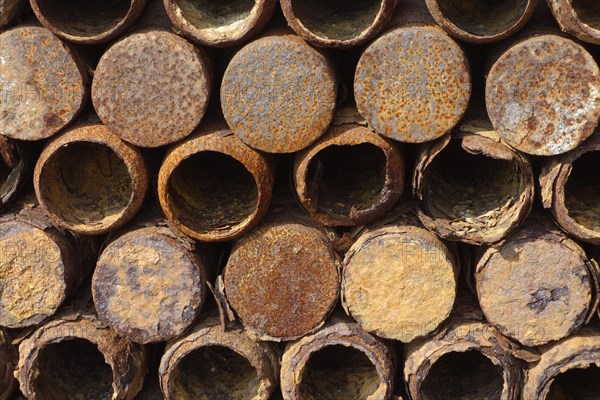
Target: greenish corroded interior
x,y
210,14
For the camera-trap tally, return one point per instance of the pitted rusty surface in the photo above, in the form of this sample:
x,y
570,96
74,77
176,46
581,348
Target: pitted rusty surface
x,y
413,84
278,94
543,95
43,85
152,88
10,10
580,18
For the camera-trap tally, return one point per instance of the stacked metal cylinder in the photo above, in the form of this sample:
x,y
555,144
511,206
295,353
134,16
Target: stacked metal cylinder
x,y
299,199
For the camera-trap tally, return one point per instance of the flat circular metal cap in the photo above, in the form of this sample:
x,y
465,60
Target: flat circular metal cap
x,y
413,84
151,88
543,95
278,94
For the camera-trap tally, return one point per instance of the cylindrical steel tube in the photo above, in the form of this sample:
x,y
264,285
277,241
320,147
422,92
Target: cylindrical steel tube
x,y
89,180
538,286
43,83
580,18
278,94
543,95
213,187
10,10
335,23
89,21
75,356
570,188
351,175
473,187
340,361
16,165
217,23
8,363
282,279
213,363
152,88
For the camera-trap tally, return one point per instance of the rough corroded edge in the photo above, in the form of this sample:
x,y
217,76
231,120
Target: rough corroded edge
x,y
262,356
131,156
11,10
8,360
20,162
297,355
569,22
127,360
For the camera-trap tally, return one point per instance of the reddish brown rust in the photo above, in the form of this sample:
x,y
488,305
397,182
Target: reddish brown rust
x,y
217,23
152,88
481,21
89,180
336,23
543,95
351,175
580,18
570,188
473,187
213,187
413,84
10,10
87,21
282,279
340,361
8,362
149,283
569,369
15,169
278,94
43,83
538,286
76,356
212,363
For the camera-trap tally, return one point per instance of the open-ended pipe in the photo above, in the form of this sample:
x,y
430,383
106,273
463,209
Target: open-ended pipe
x,y
336,23
8,363
87,21
16,165
10,10
213,363
75,356
89,180
213,187
580,18
473,187
218,23
43,83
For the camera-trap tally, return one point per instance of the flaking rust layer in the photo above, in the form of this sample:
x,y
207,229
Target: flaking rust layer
x,y
578,18
10,10
8,363
16,165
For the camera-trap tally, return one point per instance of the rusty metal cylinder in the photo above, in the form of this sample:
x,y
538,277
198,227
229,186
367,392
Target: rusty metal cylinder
x,y
149,283
213,187
278,94
481,21
217,23
213,363
10,10
8,363
15,169
580,18
89,180
569,369
75,356
87,21
538,286
335,23
340,361
152,87
282,279
43,83
543,95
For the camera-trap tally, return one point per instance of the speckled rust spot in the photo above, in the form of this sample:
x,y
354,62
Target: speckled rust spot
x,y
337,23
43,84
152,88
8,362
580,18
543,95
413,84
278,94
282,279
9,11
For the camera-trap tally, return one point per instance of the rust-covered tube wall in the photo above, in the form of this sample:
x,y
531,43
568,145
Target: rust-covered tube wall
x,y
580,18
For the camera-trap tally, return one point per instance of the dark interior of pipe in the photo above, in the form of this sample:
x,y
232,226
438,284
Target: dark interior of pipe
x,y
340,373
85,18
465,376
336,19
588,12
72,370
344,177
214,373
212,190
576,384
210,14
582,191
483,17
86,182
9,175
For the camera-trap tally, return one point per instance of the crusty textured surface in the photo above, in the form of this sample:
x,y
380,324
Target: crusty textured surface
x,y
580,18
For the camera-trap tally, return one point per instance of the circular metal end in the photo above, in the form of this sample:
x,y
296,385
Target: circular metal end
x,y
580,18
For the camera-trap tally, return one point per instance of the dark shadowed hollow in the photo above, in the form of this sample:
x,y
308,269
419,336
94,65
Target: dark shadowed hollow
x,y
209,14
72,370
214,373
582,191
339,372
576,384
588,12
466,376
211,190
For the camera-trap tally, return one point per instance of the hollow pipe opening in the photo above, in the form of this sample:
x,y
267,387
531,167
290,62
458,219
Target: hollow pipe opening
x,y
588,12
582,191
212,14
578,383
